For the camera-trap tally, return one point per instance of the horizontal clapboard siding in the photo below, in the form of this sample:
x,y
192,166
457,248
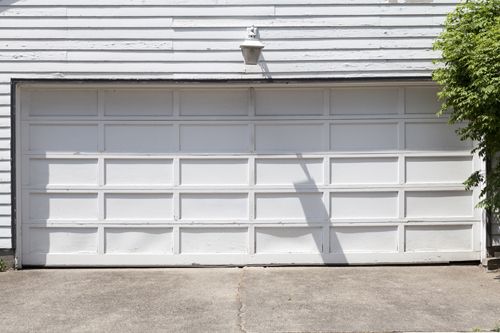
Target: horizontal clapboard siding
x,y
201,38
214,2
197,39
134,56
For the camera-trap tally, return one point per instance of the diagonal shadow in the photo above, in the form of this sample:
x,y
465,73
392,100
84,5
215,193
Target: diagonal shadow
x,y
315,220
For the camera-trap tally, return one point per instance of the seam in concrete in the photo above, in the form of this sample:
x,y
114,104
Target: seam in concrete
x,y
240,298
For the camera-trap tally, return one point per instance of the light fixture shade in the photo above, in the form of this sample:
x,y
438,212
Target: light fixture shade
x,y
251,47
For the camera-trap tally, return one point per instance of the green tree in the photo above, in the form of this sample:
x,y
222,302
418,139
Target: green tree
x,y
469,78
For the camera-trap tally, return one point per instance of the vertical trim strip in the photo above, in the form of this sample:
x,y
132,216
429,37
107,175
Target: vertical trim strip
x,y
402,169
401,101
251,239
401,204
401,238
102,241
100,103
326,239
251,137
177,240
251,102
176,103
326,102
251,205
15,240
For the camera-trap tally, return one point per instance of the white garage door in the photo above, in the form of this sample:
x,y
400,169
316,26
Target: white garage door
x,y
129,175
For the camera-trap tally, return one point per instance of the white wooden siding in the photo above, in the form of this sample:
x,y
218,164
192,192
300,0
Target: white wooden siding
x,y
196,39
201,38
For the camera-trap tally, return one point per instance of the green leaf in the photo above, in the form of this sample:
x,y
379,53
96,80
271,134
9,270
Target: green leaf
x,y
469,78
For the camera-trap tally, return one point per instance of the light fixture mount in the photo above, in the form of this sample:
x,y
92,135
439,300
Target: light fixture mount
x,y
251,47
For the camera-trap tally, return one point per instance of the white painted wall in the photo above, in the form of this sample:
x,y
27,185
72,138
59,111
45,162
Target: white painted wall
x,y
199,39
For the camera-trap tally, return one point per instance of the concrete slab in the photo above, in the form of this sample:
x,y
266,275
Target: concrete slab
x,y
366,299
251,299
119,300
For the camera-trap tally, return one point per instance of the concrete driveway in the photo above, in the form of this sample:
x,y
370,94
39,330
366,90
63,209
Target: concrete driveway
x,y
250,299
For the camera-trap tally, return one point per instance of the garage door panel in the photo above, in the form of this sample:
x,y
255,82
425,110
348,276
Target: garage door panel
x,y
302,206
439,204
438,238
213,102
214,138
422,100
432,136
63,240
364,205
63,206
138,240
208,206
362,137
296,138
288,240
364,170
55,171
143,138
138,206
272,102
129,102
66,137
285,171
122,172
451,169
364,239
63,103
359,101
213,240
214,172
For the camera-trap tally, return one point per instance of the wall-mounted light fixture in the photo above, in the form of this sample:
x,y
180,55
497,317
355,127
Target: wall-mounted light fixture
x,y
251,47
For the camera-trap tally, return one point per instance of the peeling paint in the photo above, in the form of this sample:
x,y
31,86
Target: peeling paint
x,y
411,1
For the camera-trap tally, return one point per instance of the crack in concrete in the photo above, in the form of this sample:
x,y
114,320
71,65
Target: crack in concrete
x,y
240,297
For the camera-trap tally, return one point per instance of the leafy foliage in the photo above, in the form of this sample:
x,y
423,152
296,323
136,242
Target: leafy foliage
x,y
469,77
